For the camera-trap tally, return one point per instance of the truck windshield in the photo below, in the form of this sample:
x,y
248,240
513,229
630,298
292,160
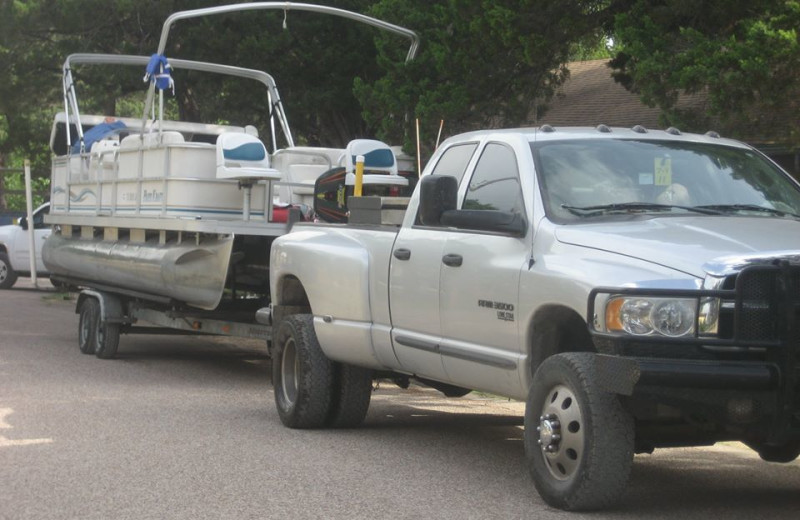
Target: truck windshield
x,y
601,177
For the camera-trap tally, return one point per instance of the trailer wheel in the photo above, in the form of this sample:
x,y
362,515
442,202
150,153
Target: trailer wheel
x,y
302,376
87,325
7,275
106,337
352,393
578,439
783,453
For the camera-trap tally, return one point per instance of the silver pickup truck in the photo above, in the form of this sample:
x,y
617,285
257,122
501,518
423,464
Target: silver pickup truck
x,y
637,289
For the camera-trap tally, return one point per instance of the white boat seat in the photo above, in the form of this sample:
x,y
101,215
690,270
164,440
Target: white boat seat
x,y
243,157
380,165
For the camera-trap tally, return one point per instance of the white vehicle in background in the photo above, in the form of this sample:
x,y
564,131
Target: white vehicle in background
x,y
15,248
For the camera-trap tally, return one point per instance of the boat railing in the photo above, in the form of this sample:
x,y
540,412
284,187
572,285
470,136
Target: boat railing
x,y
169,178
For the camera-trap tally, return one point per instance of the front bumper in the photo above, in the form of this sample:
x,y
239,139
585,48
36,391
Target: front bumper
x,y
622,375
753,364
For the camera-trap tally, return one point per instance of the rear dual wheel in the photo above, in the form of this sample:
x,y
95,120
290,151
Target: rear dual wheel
x,y
311,391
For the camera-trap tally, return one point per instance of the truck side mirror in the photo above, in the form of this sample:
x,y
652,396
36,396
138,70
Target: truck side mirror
x,y
438,193
23,223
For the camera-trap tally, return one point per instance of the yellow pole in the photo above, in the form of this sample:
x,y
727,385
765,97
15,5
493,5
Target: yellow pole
x,y
357,191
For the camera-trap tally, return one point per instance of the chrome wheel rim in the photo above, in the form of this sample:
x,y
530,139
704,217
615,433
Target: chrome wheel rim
x,y
561,433
289,372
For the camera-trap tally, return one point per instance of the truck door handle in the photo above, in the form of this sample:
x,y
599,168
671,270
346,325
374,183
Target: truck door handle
x,y
453,260
402,254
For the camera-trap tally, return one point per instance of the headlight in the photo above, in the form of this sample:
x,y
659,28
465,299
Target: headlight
x,y
642,316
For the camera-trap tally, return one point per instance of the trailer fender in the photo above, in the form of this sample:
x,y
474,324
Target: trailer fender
x,y
111,309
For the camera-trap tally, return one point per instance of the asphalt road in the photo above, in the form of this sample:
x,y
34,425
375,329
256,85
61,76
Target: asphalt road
x,y
185,428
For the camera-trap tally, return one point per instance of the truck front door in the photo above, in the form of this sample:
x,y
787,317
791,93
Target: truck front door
x,y
479,282
21,260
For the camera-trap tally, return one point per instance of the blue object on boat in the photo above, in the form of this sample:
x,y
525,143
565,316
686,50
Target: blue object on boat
x,y
96,133
158,70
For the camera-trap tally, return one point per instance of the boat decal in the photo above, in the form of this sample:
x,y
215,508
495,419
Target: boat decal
x,y
81,195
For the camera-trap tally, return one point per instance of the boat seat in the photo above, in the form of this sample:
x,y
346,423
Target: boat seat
x,y
243,157
380,165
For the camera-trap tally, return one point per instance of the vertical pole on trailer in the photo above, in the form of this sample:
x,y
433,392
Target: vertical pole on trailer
x,y
419,153
29,204
359,187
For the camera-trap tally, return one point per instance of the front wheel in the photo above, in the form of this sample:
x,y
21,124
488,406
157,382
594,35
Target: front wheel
x,y
7,275
579,440
302,376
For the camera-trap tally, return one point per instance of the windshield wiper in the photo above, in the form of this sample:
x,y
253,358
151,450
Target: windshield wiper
x,y
628,207
733,208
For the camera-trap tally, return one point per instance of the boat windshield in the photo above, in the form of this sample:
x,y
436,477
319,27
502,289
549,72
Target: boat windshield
x,y
609,177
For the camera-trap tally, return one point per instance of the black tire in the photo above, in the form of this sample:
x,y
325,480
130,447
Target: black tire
x,y
106,337
783,454
302,376
352,393
587,438
7,275
87,325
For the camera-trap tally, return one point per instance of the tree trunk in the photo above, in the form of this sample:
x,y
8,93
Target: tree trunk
x,y
3,205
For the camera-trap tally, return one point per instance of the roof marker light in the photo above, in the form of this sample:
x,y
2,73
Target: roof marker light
x,y
639,129
604,129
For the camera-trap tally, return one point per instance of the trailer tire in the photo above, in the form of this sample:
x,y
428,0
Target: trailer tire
x,y
302,376
89,314
106,339
579,440
7,275
783,454
352,393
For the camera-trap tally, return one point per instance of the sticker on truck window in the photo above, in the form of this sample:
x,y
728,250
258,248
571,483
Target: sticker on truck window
x,y
505,311
663,170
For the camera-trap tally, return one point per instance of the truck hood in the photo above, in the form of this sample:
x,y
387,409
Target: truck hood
x,y
687,243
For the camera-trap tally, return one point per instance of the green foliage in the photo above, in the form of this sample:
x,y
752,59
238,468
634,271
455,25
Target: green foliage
x,y
16,182
482,63
744,56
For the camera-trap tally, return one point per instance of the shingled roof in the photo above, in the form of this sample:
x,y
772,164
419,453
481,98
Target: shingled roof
x,y
591,96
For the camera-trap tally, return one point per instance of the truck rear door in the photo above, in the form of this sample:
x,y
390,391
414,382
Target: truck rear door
x,y
416,265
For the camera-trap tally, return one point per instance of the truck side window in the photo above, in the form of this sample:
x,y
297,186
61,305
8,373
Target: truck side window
x,y
495,184
454,160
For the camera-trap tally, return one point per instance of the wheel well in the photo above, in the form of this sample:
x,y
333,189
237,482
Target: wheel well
x,y
556,329
291,292
290,298
3,249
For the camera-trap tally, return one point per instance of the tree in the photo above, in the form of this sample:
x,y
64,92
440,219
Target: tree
x,y
745,56
482,63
